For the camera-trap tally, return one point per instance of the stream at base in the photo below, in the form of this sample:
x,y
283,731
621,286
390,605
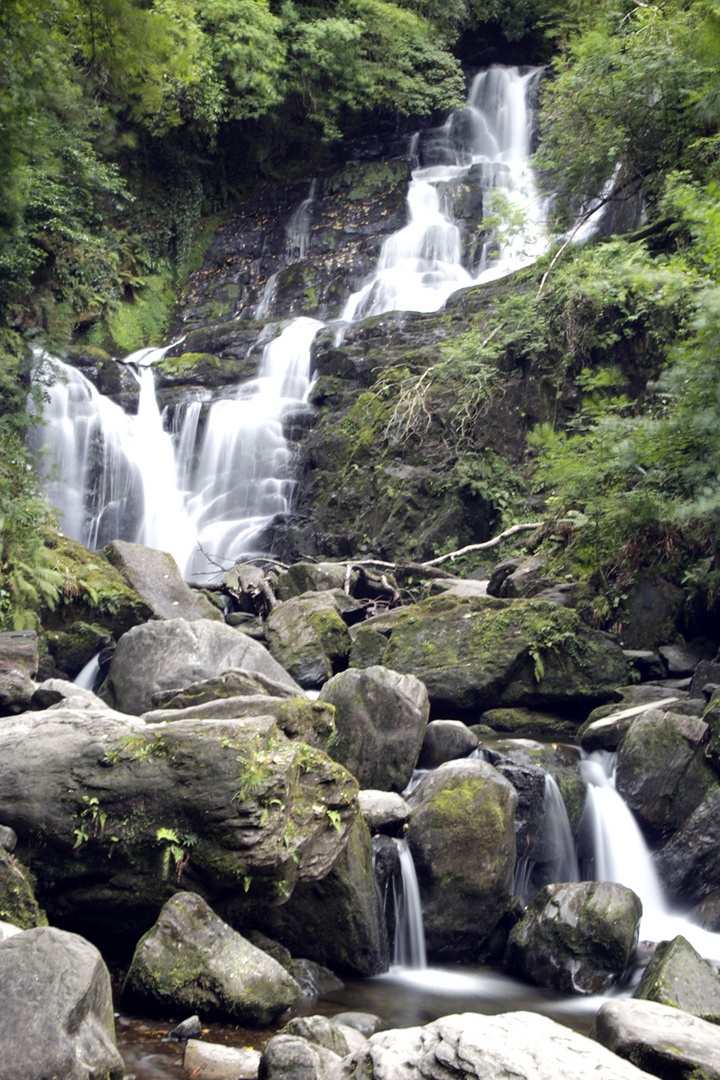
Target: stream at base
x,y
402,998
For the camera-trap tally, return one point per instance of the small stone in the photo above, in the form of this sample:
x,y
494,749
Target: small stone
x,y
213,1061
188,1029
8,838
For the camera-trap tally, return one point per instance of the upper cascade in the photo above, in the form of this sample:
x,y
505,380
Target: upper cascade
x,y
207,490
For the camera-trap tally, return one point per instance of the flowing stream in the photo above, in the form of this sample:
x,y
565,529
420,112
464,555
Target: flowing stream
x,y
196,495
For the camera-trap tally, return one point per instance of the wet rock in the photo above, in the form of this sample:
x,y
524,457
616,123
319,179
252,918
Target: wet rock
x,y
18,666
215,1061
689,863
188,1029
73,648
337,921
8,838
706,675
530,723
57,1014
445,740
386,864
314,979
192,960
682,659
290,1057
380,719
661,769
384,811
308,636
462,840
304,577
480,654
677,975
126,813
523,1045
160,656
660,1040
320,1031
652,612
707,912
646,663
576,937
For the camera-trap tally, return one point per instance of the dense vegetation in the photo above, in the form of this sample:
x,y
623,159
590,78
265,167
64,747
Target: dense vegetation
x,y
126,124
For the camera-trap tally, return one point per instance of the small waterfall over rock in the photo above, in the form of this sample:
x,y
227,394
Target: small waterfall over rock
x,y
622,855
208,503
409,950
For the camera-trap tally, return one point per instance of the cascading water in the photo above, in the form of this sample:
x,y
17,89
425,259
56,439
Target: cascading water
x,y
128,478
409,950
622,855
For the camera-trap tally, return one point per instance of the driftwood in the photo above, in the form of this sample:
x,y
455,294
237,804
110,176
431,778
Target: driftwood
x,y
430,568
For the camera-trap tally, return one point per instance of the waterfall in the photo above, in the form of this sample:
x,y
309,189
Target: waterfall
x,y
208,502
409,951
560,862
89,677
622,855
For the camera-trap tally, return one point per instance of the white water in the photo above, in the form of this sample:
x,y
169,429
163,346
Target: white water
x,y
409,951
127,477
622,855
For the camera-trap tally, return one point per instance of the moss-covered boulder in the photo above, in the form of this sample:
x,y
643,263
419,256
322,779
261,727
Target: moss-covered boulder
x,y
662,772
576,937
192,962
529,723
95,592
380,722
475,654
308,636
337,921
462,840
73,647
304,577
659,1040
114,815
677,975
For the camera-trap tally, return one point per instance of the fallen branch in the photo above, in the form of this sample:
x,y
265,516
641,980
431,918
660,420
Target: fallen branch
x,y
526,527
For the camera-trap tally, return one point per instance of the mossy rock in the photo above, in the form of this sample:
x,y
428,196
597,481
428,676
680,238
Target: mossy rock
x,y
308,637
475,654
17,899
95,592
530,723
677,975
73,648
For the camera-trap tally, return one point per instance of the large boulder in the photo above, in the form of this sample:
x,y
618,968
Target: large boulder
x,y
156,577
475,654
577,937
659,1039
446,740
677,975
380,722
307,635
521,1045
661,769
56,1018
689,863
160,656
462,839
337,921
193,962
113,815
18,667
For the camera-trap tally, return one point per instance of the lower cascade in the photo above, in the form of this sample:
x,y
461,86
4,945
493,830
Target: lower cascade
x,y
409,947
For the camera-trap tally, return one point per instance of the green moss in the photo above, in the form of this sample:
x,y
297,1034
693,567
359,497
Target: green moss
x,y
144,321
185,364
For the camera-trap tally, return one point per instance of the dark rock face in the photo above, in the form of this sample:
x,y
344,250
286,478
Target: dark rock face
x,y
661,769
319,248
462,840
660,1040
57,1014
689,863
194,962
576,937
